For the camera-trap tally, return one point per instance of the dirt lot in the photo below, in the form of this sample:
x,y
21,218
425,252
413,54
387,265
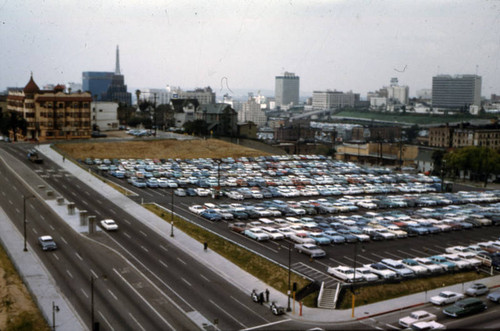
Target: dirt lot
x,y
17,309
157,149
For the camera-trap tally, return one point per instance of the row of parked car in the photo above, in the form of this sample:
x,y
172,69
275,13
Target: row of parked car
x,y
455,259
309,175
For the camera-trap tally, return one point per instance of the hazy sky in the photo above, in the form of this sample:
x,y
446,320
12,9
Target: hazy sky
x,y
332,44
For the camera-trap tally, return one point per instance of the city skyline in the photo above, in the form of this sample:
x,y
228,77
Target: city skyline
x,y
339,45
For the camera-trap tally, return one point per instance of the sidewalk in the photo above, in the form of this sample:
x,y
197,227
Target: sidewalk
x,y
234,274
38,281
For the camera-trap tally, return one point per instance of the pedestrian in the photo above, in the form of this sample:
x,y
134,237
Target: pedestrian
x,y
267,295
261,298
205,246
64,158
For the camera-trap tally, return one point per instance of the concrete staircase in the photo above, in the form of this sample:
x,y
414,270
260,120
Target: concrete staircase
x,y
327,298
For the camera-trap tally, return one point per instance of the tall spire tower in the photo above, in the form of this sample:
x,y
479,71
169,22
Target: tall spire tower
x,y
117,67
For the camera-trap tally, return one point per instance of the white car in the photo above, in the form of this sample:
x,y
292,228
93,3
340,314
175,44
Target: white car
x,y
415,266
109,225
415,317
456,249
256,233
433,268
461,264
273,233
381,270
197,209
287,232
310,249
367,274
429,325
301,237
446,297
471,258
346,274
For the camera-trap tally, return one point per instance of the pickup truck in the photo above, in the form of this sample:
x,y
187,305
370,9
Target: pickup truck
x,y
34,157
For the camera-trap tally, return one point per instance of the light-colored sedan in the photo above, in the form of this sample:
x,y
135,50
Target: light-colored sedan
x,y
310,249
446,297
109,225
346,274
256,233
415,317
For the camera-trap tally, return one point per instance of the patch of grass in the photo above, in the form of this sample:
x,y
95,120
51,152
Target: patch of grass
x,y
375,293
265,270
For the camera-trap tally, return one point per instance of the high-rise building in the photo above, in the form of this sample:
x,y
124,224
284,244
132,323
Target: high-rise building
x,y
287,88
459,91
252,112
107,86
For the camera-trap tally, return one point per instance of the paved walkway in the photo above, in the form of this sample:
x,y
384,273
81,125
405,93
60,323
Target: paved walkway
x,y
234,274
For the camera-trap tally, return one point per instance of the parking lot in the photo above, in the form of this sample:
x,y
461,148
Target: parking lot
x,y
357,216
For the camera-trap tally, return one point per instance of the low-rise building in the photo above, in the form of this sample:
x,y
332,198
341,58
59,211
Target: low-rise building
x,y
51,114
105,115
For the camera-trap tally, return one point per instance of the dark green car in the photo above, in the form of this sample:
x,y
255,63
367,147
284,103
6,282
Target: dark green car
x,y
465,307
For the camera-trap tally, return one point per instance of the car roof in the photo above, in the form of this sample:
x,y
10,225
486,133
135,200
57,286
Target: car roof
x,y
46,237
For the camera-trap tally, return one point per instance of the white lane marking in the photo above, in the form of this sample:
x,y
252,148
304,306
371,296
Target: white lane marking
x,y
78,186
55,255
42,217
249,309
164,248
64,240
136,321
163,263
10,201
146,192
84,293
112,294
18,211
225,312
65,187
98,212
113,211
127,221
35,231
94,274
127,235
185,281
73,193
393,327
69,273
85,202
394,255
99,202
181,260
87,193
205,278
78,256
3,193
51,227
105,320
143,233
143,299
32,206
145,249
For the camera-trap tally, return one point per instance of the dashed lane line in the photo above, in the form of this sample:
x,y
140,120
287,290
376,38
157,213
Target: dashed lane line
x,y
225,312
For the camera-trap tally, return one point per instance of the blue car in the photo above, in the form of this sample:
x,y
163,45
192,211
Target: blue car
x,y
319,238
441,260
211,215
334,237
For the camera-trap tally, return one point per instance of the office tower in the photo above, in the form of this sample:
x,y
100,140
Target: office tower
x,y
459,91
287,89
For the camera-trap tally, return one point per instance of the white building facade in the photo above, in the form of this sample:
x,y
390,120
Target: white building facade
x,y
252,112
104,115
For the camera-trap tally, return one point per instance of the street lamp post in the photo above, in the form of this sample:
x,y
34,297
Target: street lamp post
x,y
172,215
24,222
55,309
288,308
354,278
94,325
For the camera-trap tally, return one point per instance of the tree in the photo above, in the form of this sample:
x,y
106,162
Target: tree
x,y
197,127
437,159
12,122
480,162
